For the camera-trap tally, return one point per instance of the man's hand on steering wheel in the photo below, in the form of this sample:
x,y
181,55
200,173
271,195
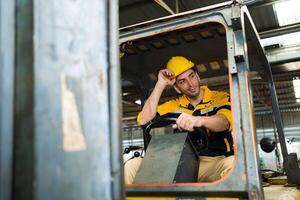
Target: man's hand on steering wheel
x,y
184,122
187,122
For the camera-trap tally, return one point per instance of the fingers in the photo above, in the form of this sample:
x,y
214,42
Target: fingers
x,y
166,77
172,81
167,73
174,126
185,122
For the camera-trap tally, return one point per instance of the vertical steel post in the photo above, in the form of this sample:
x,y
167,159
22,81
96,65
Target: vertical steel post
x,y
24,161
276,111
74,101
7,32
115,96
246,104
67,101
277,151
289,160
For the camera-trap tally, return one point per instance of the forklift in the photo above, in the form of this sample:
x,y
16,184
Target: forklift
x,y
60,103
223,42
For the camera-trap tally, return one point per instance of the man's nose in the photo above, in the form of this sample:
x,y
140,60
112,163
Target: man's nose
x,y
189,82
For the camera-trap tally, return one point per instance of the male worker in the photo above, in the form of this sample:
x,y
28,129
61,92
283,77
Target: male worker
x,y
199,107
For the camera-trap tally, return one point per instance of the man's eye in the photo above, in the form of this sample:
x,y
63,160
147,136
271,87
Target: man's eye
x,y
181,82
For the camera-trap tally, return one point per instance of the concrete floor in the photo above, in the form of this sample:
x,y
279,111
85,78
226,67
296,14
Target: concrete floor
x,y
279,192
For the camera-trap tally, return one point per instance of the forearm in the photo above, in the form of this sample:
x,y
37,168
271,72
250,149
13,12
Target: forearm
x,y
150,107
215,123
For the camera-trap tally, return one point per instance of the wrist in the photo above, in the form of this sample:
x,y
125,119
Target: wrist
x,y
160,85
200,121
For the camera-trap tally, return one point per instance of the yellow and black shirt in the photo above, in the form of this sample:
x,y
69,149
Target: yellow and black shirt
x,y
213,102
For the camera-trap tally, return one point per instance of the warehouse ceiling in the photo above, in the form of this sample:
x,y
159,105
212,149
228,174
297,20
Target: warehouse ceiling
x,y
137,11
284,59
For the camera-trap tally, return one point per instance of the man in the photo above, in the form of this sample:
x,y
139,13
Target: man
x,y
199,107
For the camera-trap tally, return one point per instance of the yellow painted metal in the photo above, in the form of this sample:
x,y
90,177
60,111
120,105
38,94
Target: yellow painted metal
x,y
173,198
279,192
150,198
221,198
280,180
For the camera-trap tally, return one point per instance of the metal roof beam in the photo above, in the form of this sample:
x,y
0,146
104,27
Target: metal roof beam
x,y
280,31
165,6
283,55
261,3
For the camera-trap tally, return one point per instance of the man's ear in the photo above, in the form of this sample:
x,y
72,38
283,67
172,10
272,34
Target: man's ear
x,y
177,89
198,77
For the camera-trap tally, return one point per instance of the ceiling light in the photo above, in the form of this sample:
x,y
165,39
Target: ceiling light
x,y
296,84
201,67
173,41
282,40
206,34
214,65
138,102
288,12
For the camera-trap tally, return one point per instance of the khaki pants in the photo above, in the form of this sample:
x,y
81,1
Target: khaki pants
x,y
130,169
210,168
214,168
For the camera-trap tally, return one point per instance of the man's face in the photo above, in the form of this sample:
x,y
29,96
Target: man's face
x,y
188,83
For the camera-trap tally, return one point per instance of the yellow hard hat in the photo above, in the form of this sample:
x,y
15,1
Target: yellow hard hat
x,y
179,64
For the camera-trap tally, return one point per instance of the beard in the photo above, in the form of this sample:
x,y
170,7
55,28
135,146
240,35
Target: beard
x,y
193,95
192,92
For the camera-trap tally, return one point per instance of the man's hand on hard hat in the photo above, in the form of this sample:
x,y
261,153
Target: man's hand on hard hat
x,y
188,122
165,78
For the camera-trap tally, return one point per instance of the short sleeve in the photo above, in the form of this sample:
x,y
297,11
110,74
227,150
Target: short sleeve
x,y
162,109
222,100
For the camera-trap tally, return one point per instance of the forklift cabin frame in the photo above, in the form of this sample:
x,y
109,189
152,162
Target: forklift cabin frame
x,y
245,54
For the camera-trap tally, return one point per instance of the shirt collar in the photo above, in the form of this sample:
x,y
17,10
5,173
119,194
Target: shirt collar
x,y
207,94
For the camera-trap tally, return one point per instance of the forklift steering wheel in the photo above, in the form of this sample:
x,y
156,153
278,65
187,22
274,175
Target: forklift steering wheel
x,y
198,137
